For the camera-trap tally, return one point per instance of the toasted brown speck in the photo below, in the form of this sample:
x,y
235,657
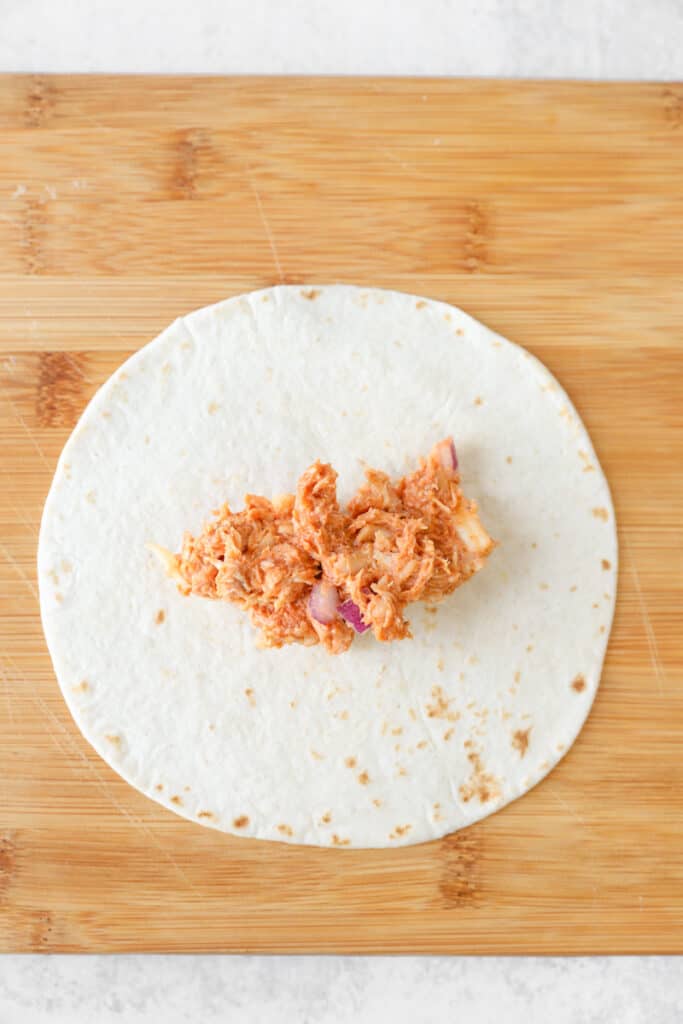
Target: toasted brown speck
x,y
310,293
286,830
440,708
81,687
518,676
579,684
363,778
316,756
448,733
399,831
413,714
249,694
439,664
113,739
478,400
420,304
573,589
241,822
212,407
543,586
520,740
422,744
481,784
178,800
601,513
397,731
336,841
206,814
341,714
508,459
529,648
350,762
326,818
377,802
160,616
159,786
602,629
605,564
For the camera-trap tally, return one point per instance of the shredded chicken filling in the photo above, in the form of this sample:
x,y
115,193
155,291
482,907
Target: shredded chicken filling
x,y
294,562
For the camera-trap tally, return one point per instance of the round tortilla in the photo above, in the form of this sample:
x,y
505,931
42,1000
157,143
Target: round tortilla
x,y
386,745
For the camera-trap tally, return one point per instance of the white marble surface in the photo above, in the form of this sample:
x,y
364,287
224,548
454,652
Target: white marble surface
x,y
575,38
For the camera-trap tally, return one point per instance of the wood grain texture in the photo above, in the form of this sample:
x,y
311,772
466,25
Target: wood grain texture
x,y
552,212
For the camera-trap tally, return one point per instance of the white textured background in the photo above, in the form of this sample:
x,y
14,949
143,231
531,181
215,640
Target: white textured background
x,y
526,38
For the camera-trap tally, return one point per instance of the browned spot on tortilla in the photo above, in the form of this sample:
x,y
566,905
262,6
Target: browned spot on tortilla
x,y
363,778
241,822
579,684
60,388
602,629
447,317
377,802
399,831
293,704
249,694
336,841
397,731
481,784
518,676
508,458
178,800
605,564
448,733
160,616
341,714
440,706
422,744
431,609
596,605
310,293
212,407
113,739
420,304
520,740
413,714
159,786
285,830
316,756
529,648
206,814
573,589
440,664
66,566
478,400
600,513
81,687
326,818
459,879
459,331
436,812
350,762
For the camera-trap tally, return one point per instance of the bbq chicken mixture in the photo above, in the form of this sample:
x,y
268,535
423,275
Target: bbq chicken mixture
x,y
309,572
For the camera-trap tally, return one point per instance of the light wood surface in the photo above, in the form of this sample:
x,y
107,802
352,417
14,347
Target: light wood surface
x,y
552,212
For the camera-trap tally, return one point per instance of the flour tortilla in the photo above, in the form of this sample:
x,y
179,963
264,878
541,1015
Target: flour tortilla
x,y
386,745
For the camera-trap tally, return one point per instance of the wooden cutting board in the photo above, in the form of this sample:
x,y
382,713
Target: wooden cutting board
x,y
552,212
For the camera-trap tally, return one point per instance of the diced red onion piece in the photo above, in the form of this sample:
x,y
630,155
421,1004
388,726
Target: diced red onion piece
x,y
323,603
350,611
448,456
